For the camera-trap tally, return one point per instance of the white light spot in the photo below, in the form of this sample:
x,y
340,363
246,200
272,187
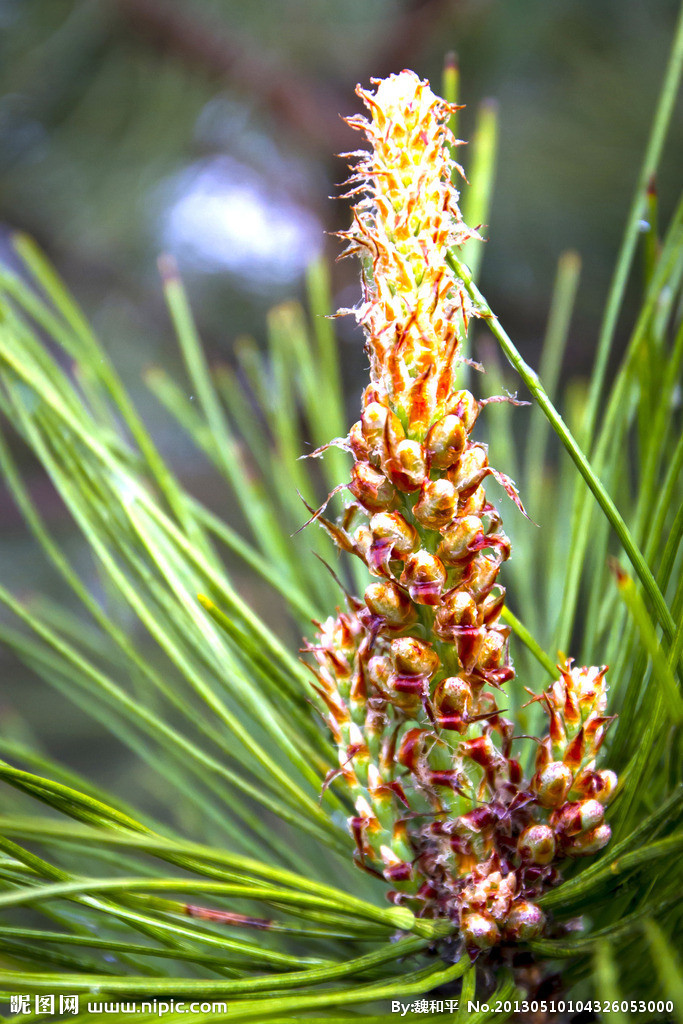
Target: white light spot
x,y
224,215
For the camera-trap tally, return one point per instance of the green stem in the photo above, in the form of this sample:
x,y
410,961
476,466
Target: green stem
x,y
533,382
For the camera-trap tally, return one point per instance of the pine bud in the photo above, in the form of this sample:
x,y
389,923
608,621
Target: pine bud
x,y
537,844
373,422
389,602
525,921
371,487
424,575
463,538
458,611
482,575
457,621
390,530
407,466
474,504
379,671
592,814
452,703
445,442
479,930
413,657
437,504
608,786
552,784
357,443
492,653
362,542
470,470
588,842
464,405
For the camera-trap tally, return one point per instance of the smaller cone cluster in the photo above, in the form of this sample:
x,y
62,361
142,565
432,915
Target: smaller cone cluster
x,y
411,674
566,780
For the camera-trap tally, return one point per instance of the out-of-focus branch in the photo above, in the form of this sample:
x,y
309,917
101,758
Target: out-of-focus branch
x,y
309,108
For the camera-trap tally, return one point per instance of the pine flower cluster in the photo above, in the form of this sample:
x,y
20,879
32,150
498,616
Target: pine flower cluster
x,y
410,674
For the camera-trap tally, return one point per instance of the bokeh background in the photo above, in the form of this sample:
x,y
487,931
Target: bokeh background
x,y
209,128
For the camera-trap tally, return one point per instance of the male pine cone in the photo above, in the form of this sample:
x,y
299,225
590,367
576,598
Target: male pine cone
x,y
409,675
